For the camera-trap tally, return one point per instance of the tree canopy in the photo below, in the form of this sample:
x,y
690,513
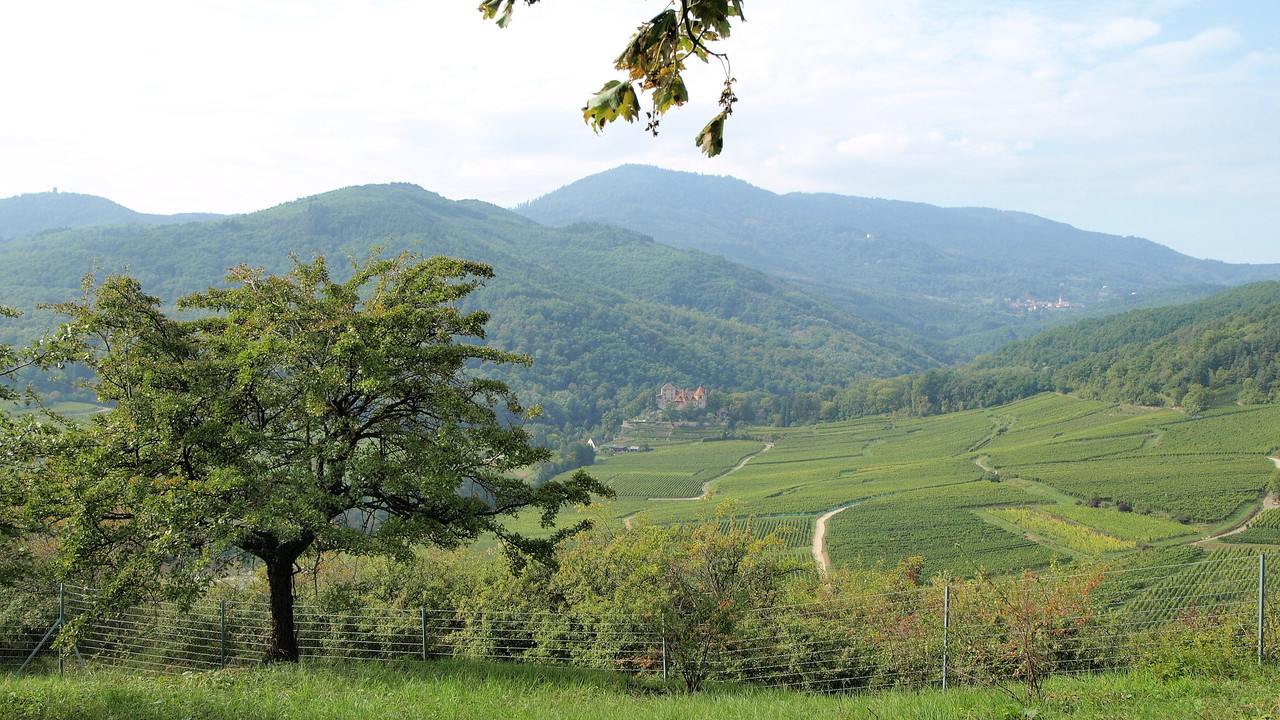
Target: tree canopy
x,y
654,62
22,439
290,413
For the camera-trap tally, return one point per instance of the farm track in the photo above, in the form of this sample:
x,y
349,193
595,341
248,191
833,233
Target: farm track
x,y
706,486
1270,502
820,537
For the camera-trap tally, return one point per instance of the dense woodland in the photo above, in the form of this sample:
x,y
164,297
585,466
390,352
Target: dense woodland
x,y
1218,350
608,315
942,272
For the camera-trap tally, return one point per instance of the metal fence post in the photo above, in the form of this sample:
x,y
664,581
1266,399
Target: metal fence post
x,y
946,631
423,615
62,617
1262,601
222,634
664,648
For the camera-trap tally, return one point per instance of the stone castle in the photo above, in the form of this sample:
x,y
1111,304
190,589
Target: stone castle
x,y
679,398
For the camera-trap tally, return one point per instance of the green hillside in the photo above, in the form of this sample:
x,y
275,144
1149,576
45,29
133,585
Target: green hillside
x,y
1218,350
607,315
1047,478
948,273
39,212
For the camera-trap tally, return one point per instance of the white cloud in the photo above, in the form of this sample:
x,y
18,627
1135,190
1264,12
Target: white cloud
x,y
1186,54
1120,33
240,104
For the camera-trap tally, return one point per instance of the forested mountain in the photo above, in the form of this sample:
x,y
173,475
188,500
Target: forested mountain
x,y
948,273
607,314
1218,350
37,212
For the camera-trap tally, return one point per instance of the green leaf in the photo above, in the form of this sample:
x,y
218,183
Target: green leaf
x,y
495,8
669,94
615,100
711,140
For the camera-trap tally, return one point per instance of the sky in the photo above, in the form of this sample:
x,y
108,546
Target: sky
x,y
1153,118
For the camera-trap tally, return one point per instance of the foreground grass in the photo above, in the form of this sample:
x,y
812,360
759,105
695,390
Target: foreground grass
x,y
474,690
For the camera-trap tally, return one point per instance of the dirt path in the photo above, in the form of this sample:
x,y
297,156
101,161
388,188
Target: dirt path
x,y
820,557
1270,502
706,486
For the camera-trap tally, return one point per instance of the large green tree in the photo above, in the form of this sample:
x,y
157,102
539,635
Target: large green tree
x,y
285,414
9,497
654,61
23,438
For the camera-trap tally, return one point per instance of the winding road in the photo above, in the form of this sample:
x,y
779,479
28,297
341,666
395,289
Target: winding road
x,y
706,486
819,540
1270,502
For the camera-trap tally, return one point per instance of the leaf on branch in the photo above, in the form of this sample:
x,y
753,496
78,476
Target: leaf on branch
x,y
615,100
500,9
711,139
654,60
670,93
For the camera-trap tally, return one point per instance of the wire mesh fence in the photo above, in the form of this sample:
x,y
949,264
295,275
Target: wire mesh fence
x,y
1017,629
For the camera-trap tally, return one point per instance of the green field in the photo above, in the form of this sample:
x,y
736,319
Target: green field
x,y
1064,533
447,690
674,472
1066,468
1126,526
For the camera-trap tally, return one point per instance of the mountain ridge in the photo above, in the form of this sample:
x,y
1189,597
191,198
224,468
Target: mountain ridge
x,y
607,314
32,213
949,273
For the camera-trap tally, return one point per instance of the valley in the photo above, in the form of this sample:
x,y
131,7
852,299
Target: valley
x,y
830,331
1048,479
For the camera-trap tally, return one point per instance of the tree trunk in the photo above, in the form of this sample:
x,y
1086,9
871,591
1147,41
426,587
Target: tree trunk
x,y
282,646
279,557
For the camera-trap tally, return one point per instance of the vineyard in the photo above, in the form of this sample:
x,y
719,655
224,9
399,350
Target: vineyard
x,y
1070,535
1126,526
940,524
1264,529
675,472
1072,479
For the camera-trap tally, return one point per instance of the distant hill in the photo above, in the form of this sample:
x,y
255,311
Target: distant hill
x,y
948,273
38,212
607,314
1215,351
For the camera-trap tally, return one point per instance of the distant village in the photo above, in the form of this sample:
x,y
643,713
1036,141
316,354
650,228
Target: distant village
x,y
1030,304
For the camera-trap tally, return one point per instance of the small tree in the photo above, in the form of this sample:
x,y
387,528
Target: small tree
x,y
294,413
695,587
1196,400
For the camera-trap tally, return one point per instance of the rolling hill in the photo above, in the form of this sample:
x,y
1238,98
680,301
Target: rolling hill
x,y
32,213
608,315
1221,349
948,273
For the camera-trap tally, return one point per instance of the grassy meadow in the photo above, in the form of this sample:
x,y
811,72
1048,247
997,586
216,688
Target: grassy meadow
x,y
464,691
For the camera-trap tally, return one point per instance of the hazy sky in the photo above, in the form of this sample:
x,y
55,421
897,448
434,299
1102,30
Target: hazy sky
x,y
1155,118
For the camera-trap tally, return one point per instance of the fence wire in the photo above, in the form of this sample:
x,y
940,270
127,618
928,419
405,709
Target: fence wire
x,y
1019,629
